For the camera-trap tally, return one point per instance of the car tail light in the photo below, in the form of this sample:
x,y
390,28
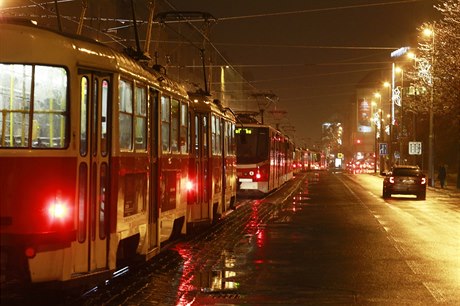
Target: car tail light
x,y
423,181
392,179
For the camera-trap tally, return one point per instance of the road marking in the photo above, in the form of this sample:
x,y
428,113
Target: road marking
x,y
414,266
435,291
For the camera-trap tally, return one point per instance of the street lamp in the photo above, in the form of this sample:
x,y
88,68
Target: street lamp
x,y
399,91
390,124
375,120
429,32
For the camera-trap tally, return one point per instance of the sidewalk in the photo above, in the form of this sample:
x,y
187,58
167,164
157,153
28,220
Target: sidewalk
x,y
450,188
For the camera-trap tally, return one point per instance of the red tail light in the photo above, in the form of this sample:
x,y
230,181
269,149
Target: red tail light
x,y
423,181
189,186
392,179
58,210
258,175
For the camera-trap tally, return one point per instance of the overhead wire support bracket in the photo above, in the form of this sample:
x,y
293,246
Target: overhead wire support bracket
x,y
189,17
185,16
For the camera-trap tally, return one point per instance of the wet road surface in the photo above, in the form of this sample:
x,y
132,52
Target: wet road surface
x,y
321,239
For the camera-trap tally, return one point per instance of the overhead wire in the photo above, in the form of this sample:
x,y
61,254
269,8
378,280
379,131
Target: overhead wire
x,y
317,10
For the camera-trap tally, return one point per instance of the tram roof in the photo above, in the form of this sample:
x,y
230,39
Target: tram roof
x,y
38,45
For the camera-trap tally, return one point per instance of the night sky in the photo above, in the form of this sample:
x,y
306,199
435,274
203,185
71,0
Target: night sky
x,y
311,54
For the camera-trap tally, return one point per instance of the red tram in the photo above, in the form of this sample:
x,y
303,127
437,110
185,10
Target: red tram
x,y
95,153
212,159
264,157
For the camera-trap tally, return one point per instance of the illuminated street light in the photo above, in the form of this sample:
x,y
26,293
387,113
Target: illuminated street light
x,y
395,98
399,91
411,55
375,120
379,122
390,123
429,32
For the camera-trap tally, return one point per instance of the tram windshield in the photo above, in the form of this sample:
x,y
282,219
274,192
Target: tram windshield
x,y
33,106
251,145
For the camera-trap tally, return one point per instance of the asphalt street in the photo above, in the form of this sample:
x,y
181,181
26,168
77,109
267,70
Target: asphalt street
x,y
323,238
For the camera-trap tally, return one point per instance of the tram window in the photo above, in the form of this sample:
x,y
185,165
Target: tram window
x,y
126,115
183,137
50,107
174,126
165,120
205,136
213,134
141,119
189,132
38,121
218,136
15,105
233,142
94,119
226,131
197,138
83,116
105,98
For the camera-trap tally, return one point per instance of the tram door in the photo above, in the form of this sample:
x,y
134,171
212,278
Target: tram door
x,y
153,182
202,164
91,252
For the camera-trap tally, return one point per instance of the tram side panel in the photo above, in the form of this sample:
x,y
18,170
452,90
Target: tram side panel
x,y
229,155
212,169
76,166
174,166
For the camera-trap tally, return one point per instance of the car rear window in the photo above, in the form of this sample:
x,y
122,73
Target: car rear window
x,y
406,172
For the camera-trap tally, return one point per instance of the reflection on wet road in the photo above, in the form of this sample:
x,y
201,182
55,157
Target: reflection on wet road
x,y
315,241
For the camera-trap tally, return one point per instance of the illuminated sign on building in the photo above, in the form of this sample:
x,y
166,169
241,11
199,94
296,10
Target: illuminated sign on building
x,y
364,116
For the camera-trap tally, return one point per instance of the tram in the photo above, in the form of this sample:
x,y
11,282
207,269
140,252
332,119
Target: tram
x,y
264,157
95,154
297,160
212,159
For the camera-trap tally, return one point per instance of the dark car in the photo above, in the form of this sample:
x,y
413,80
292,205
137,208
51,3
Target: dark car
x,y
405,180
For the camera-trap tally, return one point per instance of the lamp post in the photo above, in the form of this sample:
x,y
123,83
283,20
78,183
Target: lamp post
x,y
429,32
376,120
390,123
399,101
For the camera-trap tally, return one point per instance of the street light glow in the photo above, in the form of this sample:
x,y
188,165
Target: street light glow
x,y
428,32
411,55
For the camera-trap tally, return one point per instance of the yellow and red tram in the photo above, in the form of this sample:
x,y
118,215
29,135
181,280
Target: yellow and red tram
x,y
212,159
264,158
95,153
